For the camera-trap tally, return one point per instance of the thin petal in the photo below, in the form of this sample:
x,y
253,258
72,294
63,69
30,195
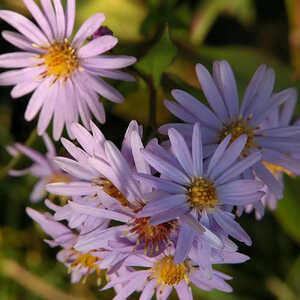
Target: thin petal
x,y
96,47
24,26
181,151
211,92
70,17
89,27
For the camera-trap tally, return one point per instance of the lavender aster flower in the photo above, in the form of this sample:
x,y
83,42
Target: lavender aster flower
x,y
63,73
198,192
226,117
43,168
279,117
160,274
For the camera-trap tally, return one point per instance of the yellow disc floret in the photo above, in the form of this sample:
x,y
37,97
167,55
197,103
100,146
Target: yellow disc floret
x,y
236,129
166,272
276,170
60,60
202,195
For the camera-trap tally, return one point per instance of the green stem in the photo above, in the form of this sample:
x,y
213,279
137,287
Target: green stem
x,y
13,162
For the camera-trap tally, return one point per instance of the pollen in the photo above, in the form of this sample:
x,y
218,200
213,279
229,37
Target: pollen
x,y
168,273
58,177
236,129
152,236
202,195
87,260
276,170
110,189
60,60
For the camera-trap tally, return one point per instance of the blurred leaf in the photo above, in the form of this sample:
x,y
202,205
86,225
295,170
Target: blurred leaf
x,y
294,276
123,17
288,209
280,289
160,56
209,10
136,106
293,11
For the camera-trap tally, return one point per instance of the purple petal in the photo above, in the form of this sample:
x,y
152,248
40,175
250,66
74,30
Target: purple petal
x,y
24,26
211,92
161,184
20,41
184,291
96,47
218,154
103,88
162,204
195,107
40,18
225,80
166,168
253,87
239,168
50,15
180,112
169,214
230,155
184,243
99,212
17,60
24,88
47,110
197,151
70,17
106,61
38,98
181,151
76,188
88,28
228,224
60,19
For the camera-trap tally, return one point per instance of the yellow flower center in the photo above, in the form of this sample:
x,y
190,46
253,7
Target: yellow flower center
x,y
276,170
202,195
60,60
152,236
87,260
166,272
236,129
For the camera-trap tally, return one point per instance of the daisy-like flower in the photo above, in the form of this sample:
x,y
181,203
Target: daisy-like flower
x,y
227,117
79,264
106,175
160,275
63,73
200,193
44,168
279,117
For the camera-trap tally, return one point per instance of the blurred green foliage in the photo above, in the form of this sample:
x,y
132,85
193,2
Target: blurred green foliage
x,y
198,31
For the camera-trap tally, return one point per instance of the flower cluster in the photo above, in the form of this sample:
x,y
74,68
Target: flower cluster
x,y
153,216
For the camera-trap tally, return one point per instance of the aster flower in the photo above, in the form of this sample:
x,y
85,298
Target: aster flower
x,y
160,275
92,178
43,168
79,264
63,73
279,117
226,116
199,193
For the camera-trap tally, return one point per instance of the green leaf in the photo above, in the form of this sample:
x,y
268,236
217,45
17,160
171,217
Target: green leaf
x,y
209,11
288,209
158,58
